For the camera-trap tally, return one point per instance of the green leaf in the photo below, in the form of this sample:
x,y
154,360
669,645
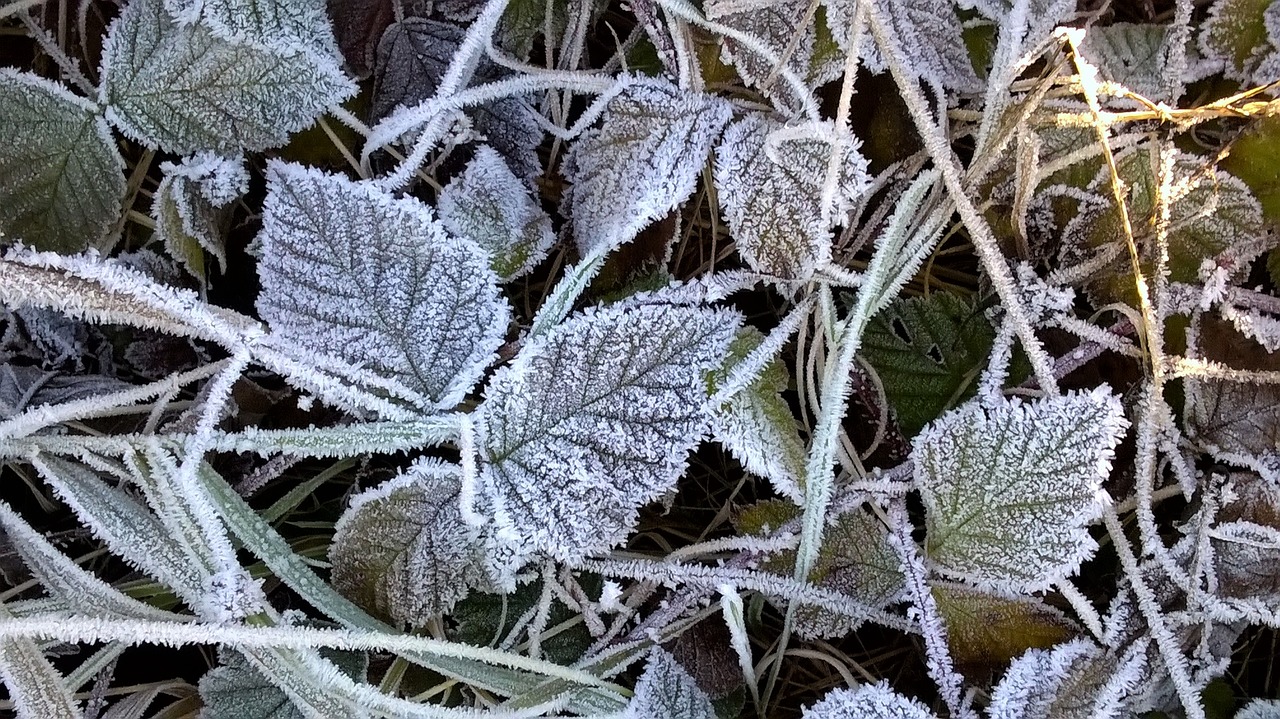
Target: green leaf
x,y
666,691
190,208
927,352
485,618
402,550
856,560
757,425
985,630
1009,489
61,177
235,690
594,419
1132,55
182,89
1255,159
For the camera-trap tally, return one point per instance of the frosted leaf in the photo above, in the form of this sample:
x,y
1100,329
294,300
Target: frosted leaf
x,y
986,630
757,425
771,195
929,35
127,527
869,701
1236,422
65,580
1135,56
1009,489
666,691
927,352
182,89
188,208
34,686
358,25
402,550
413,56
1237,36
274,24
1260,709
351,271
594,419
1213,216
1245,546
773,24
857,561
489,205
640,162
236,690
1074,680
61,178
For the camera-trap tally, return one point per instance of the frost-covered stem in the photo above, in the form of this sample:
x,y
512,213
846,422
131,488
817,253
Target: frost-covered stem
x,y
831,180
70,68
761,545
1084,609
38,418
731,610
746,371
433,111
543,616
984,241
1174,67
711,578
684,10
991,384
558,305
932,628
85,630
1175,662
